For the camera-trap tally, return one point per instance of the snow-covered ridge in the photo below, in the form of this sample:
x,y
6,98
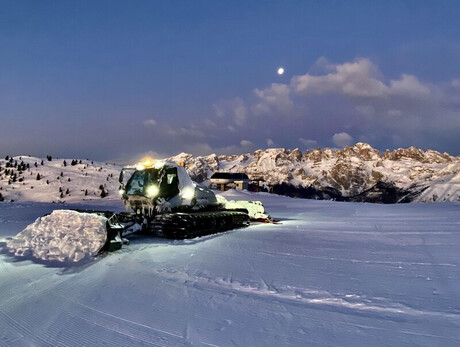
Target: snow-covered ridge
x,y
25,178
357,173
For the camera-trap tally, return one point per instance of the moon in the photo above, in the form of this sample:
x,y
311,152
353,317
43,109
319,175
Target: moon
x,y
280,70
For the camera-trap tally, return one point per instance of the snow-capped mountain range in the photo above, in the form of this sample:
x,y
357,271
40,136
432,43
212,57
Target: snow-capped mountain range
x,y
357,173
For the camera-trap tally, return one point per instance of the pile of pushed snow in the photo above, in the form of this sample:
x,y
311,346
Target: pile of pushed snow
x,y
63,235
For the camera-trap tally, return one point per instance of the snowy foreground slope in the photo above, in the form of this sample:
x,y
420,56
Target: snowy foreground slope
x,y
333,274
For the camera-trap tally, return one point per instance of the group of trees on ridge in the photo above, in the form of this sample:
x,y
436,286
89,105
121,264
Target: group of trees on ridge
x,y
14,171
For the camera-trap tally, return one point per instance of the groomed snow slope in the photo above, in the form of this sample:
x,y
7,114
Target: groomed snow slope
x,y
333,274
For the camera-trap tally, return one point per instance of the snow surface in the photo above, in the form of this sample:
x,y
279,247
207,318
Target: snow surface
x,y
333,274
63,235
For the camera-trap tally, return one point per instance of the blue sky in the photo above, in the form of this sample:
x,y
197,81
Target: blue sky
x,y
117,79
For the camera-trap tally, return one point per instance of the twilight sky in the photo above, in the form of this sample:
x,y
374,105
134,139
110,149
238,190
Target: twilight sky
x,y
113,80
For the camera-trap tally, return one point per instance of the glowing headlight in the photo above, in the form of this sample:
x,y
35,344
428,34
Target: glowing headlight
x,y
188,193
121,191
152,191
140,167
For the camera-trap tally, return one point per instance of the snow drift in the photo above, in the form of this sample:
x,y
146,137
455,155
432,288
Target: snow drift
x,y
63,235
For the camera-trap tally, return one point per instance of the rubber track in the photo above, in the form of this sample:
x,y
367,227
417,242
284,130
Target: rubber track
x,y
191,225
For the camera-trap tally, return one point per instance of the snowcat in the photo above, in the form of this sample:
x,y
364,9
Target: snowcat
x,y
162,200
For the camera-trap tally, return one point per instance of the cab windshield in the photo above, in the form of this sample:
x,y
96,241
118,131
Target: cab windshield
x,y
140,180
165,179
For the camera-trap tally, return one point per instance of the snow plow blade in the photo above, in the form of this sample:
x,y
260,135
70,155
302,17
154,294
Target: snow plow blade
x,y
67,236
114,229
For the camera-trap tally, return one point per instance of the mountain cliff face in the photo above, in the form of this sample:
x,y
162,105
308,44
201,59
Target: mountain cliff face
x,y
357,173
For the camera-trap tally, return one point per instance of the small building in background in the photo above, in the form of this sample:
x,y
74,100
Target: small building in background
x,y
230,180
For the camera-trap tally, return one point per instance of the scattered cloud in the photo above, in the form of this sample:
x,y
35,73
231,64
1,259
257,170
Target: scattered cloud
x,y
235,109
455,83
394,113
210,124
240,111
360,79
322,65
276,96
365,110
219,110
260,108
183,134
246,143
308,143
408,86
270,142
150,122
356,79
342,139
204,149
194,133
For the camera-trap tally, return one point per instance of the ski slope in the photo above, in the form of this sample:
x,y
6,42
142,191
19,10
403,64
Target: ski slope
x,y
332,274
